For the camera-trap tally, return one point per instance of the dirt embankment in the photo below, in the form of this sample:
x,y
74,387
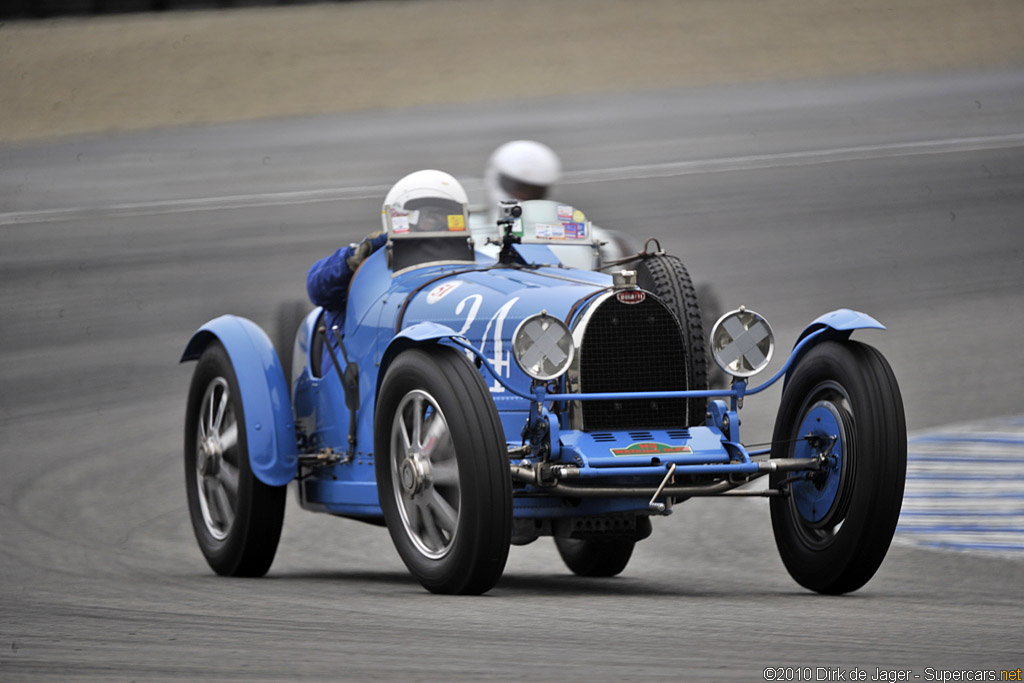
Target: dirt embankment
x,y
73,76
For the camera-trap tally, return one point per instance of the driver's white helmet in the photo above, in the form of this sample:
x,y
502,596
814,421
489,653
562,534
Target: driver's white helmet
x,y
521,169
425,201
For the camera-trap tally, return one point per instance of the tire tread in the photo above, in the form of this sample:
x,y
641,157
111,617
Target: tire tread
x,y
668,279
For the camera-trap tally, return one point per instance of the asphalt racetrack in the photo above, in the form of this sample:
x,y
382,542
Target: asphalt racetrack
x,y
899,196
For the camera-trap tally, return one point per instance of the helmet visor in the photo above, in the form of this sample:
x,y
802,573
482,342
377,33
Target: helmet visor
x,y
517,189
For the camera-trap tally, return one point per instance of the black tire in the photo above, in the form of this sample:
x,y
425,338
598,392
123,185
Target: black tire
x,y
290,315
237,518
463,484
834,530
590,557
668,279
711,311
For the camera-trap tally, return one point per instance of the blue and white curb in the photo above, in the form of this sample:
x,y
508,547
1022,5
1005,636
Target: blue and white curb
x,y
965,489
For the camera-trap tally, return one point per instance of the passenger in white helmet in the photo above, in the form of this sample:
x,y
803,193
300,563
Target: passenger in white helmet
x,y
525,170
520,169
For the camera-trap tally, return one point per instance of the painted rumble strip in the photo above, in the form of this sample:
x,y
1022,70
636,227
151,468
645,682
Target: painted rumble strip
x,y
965,489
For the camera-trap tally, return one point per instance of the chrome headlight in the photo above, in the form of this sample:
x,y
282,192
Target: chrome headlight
x,y
542,346
742,343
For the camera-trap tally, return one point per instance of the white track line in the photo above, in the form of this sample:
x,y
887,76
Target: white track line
x,y
637,172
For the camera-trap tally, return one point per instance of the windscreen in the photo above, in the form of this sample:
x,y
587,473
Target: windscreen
x,y
427,215
554,223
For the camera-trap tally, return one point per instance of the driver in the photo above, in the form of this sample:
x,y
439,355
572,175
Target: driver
x,y
424,201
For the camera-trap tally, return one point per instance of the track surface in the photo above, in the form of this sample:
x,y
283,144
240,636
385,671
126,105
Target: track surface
x,y
902,197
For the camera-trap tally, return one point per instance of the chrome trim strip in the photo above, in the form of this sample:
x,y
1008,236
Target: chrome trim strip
x,y
572,376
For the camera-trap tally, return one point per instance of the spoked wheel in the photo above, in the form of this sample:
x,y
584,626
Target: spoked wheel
x,y
442,471
843,404
237,518
425,474
588,557
667,277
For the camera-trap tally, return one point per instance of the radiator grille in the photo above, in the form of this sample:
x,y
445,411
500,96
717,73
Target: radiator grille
x,y
632,347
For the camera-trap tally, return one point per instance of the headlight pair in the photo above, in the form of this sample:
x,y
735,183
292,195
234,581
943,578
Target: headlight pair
x,y
742,343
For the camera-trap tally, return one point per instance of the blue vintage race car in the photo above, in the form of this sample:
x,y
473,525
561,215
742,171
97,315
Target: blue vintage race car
x,y
472,402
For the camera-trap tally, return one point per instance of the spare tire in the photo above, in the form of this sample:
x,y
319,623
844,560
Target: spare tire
x,y
667,278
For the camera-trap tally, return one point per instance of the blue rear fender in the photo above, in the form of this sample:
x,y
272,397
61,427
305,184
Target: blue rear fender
x,y
269,423
835,325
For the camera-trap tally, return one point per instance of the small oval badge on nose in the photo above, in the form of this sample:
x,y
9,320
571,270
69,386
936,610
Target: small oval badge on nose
x,y
631,296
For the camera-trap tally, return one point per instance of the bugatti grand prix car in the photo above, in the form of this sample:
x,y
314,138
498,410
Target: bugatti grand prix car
x,y
473,402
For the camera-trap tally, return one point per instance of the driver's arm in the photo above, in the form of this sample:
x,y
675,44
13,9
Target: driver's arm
x,y
327,282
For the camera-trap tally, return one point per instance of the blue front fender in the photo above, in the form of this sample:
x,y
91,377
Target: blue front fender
x,y
842,321
269,423
837,325
414,335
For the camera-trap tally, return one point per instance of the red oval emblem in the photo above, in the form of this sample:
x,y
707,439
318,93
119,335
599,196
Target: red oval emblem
x,y
631,296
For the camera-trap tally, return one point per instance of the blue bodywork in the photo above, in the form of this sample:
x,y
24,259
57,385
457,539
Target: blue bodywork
x,y
473,307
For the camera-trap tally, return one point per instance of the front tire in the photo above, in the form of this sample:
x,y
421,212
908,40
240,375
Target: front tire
x,y
835,527
442,471
236,518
